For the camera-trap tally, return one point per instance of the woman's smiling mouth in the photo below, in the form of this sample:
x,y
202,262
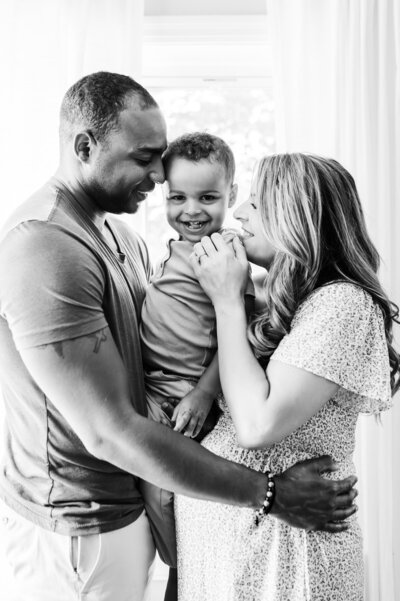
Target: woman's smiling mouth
x,y
244,234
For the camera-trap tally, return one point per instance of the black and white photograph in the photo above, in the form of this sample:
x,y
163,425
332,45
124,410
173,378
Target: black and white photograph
x,y
199,300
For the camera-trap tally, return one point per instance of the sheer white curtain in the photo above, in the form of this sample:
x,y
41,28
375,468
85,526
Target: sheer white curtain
x,y
45,46
337,83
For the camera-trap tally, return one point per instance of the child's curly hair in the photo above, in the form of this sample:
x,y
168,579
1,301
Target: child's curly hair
x,y
200,145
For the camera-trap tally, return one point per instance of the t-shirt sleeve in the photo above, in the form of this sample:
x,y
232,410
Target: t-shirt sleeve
x,y
51,285
338,334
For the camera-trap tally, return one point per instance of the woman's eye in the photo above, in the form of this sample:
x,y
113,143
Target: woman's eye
x,y
143,162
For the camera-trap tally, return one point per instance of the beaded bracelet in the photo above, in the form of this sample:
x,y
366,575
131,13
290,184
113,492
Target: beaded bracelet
x,y
268,501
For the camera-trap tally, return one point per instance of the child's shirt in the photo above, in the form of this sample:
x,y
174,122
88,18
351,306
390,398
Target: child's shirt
x,y
178,329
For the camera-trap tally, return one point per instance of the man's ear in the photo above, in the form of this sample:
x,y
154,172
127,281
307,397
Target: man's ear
x,y
233,195
83,146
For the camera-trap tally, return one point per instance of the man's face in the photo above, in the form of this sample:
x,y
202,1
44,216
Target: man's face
x,y
127,164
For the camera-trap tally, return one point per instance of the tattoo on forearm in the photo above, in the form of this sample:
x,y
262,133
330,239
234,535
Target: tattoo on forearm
x,y
99,337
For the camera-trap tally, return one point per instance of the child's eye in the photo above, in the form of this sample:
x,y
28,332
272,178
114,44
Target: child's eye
x,y
176,198
208,197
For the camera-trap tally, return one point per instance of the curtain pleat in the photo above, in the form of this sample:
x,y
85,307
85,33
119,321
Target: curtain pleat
x,y
337,85
45,46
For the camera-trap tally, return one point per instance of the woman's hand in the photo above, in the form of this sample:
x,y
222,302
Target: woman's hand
x,y
222,269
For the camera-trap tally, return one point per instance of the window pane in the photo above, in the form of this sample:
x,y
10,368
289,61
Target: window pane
x,y
243,117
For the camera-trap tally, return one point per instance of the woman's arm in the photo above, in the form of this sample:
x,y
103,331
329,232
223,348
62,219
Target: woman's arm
x,y
264,409
192,410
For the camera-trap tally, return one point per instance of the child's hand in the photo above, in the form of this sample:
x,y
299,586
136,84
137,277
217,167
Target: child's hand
x,y
191,412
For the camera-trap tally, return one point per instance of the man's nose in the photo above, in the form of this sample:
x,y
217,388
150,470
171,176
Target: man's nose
x,y
157,174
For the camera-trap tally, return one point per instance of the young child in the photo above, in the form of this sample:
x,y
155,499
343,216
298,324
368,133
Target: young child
x,y
178,322
178,328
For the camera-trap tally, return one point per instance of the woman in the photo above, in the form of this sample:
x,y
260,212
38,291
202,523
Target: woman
x,y
316,355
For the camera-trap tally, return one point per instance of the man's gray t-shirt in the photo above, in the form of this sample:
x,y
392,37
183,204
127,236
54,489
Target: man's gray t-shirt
x,y
59,279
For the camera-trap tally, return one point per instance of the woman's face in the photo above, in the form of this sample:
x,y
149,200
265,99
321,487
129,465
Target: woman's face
x,y
259,249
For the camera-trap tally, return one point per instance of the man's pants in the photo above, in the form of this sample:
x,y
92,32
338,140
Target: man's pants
x,y
44,566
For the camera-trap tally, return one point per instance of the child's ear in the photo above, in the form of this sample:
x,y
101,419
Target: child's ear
x,y
233,195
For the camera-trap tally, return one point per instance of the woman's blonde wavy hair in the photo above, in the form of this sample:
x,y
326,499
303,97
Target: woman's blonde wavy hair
x,y
311,213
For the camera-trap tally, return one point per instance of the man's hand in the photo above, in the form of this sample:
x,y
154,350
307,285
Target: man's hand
x,y
305,499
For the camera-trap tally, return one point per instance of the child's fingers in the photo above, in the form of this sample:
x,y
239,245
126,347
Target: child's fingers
x,y
218,241
198,428
190,428
211,245
195,265
168,408
181,420
175,413
228,235
238,247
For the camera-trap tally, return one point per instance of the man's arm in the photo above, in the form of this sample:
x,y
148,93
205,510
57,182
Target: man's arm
x,y
87,382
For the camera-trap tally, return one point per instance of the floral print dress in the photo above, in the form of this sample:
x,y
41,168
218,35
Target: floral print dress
x,y
337,333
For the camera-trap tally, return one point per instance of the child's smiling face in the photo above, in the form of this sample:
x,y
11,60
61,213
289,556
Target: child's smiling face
x,y
198,195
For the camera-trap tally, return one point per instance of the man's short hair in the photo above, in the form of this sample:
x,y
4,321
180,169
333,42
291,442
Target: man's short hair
x,y
95,102
200,145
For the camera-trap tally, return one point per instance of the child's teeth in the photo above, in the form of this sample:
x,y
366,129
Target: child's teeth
x,y
195,224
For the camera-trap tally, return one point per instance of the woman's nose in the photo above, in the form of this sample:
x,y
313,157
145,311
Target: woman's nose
x,y
240,212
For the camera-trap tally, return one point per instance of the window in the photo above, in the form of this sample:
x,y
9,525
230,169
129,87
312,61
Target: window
x,y
209,74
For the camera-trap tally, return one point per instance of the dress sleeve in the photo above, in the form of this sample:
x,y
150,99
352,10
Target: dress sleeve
x,y
338,334
52,286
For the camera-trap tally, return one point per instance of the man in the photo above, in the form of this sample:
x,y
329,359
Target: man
x,y
77,436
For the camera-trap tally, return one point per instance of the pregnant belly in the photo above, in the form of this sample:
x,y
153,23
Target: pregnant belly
x,y
298,446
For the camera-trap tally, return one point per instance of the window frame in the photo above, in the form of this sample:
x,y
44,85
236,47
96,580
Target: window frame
x,y
237,40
